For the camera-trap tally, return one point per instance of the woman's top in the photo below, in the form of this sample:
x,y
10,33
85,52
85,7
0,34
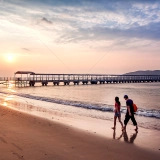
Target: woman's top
x,y
118,108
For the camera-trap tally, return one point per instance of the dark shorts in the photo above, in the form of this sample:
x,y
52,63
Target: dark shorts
x,y
117,114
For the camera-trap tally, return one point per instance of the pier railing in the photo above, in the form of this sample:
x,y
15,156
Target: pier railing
x,y
56,79
7,78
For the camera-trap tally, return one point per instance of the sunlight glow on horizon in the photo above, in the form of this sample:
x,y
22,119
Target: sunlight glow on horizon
x,y
10,57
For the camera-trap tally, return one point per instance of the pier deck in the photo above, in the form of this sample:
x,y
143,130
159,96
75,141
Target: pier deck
x,y
31,78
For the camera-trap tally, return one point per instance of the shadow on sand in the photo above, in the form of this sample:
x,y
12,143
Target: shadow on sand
x,y
125,136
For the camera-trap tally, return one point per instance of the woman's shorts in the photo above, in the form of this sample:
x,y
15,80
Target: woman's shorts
x,y
117,114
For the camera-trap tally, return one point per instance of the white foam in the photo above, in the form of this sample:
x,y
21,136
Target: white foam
x,y
99,107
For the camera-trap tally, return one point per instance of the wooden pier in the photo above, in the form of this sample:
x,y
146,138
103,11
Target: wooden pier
x,y
25,78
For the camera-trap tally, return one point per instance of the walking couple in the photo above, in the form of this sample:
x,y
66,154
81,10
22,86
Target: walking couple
x,y
129,114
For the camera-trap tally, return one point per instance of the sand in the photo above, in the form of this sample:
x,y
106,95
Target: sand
x,y
27,137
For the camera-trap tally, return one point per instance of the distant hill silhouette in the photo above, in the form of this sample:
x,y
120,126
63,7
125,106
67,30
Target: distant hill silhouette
x,y
148,72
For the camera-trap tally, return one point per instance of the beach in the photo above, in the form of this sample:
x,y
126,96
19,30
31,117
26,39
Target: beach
x,y
25,136
67,70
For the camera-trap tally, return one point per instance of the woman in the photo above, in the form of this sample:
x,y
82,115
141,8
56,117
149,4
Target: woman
x,y
117,112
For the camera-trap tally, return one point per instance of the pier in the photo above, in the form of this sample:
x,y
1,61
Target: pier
x,y
25,78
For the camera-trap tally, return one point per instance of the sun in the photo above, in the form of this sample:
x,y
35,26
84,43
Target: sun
x,y
10,57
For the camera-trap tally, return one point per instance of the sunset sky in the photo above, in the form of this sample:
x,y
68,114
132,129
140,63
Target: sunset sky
x,y
79,36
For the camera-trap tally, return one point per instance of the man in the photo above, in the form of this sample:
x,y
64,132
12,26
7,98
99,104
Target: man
x,y
130,113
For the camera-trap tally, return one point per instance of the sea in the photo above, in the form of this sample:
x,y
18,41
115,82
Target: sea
x,y
96,101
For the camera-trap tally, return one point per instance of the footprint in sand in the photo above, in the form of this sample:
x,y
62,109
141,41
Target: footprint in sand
x,y
3,140
17,146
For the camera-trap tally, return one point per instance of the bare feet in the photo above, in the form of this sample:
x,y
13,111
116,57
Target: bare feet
x,y
124,128
136,129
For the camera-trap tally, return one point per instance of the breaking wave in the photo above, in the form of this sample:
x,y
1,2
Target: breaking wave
x,y
99,107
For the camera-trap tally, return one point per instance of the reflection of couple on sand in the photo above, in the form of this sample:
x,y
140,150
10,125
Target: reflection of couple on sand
x,y
125,136
132,137
129,114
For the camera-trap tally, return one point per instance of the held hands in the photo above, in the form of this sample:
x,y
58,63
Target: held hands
x,y
130,114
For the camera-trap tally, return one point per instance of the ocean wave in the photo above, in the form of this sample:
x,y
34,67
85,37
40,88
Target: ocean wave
x,y
99,107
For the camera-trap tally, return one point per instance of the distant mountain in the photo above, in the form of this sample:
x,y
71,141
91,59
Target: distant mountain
x,y
148,72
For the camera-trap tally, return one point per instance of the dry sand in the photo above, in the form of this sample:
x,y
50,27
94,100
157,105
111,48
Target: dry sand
x,y
27,137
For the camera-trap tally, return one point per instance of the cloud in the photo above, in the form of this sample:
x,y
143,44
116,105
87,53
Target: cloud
x,y
88,20
150,32
44,21
26,49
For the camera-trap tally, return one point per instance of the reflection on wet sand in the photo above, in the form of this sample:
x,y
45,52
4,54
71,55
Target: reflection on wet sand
x,y
114,135
125,136
132,137
4,101
31,109
8,101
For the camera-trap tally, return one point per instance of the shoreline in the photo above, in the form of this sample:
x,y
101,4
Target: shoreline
x,y
25,136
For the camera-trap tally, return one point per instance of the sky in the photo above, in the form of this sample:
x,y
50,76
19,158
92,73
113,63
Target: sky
x,y
79,36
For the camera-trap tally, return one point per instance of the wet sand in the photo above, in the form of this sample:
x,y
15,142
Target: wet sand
x,y
28,137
